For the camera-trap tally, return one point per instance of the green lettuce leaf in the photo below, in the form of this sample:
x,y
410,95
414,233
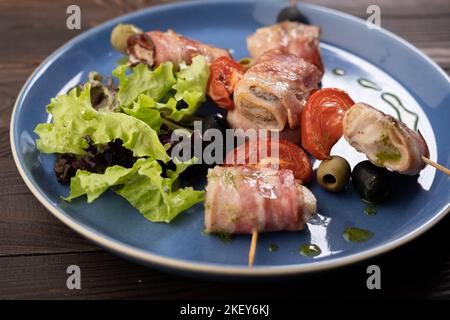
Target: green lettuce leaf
x,y
156,84
157,198
74,118
148,110
94,184
191,86
188,85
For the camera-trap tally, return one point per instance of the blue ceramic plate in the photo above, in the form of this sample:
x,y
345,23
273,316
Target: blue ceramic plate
x,y
347,44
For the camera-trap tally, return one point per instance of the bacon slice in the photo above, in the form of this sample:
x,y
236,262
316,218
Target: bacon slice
x,y
242,199
291,37
273,92
156,47
385,140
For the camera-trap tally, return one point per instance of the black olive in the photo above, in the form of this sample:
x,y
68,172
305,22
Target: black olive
x,y
291,13
373,183
214,121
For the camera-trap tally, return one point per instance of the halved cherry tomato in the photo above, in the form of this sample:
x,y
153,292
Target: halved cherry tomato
x,y
321,121
224,74
258,153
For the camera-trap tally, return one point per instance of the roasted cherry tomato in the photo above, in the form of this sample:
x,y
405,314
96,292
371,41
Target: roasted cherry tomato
x,y
321,121
258,153
224,74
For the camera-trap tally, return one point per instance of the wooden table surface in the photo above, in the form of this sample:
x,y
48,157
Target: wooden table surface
x,y
36,249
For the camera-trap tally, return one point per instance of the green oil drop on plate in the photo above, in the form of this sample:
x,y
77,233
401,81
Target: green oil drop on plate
x,y
339,72
368,84
310,250
370,210
354,234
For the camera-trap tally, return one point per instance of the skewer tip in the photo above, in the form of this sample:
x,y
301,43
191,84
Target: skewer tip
x,y
252,251
436,165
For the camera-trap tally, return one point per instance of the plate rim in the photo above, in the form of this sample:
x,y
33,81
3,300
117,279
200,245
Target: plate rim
x,y
181,265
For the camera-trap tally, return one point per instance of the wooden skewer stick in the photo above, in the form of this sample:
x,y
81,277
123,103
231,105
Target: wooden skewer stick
x,y
436,165
252,251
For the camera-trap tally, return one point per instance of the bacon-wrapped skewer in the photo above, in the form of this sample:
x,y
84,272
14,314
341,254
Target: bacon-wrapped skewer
x,y
243,200
291,37
156,47
385,140
272,93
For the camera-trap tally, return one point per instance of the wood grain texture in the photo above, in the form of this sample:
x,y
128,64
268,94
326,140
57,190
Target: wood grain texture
x,y
413,271
35,248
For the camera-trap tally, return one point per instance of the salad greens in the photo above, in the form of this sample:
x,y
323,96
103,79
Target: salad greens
x,y
156,84
94,184
156,197
144,98
159,199
191,86
142,92
74,118
147,110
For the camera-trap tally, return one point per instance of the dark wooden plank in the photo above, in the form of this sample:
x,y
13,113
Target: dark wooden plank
x,y
35,248
414,271
409,9
26,227
106,277
425,23
421,22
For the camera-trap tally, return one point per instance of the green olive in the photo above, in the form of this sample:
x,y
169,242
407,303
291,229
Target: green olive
x,y
333,174
120,35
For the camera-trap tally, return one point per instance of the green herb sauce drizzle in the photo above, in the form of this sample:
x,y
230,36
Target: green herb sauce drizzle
x,y
370,210
339,72
388,96
354,234
310,250
368,84
223,236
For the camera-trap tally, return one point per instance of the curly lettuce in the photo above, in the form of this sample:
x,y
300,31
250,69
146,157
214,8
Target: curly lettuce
x,y
154,83
74,118
148,110
140,97
191,84
93,185
145,99
157,198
